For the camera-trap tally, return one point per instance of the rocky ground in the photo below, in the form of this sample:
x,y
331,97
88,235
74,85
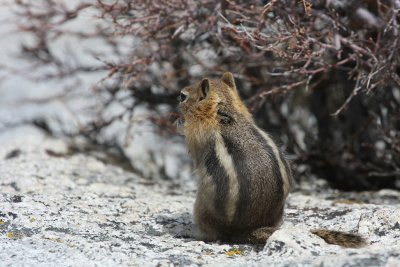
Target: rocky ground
x,y
74,210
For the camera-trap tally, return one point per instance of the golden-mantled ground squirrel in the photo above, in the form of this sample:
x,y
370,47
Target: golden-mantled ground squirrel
x,y
244,177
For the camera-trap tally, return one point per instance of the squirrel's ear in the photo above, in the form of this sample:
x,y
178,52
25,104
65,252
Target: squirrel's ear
x,y
204,87
228,79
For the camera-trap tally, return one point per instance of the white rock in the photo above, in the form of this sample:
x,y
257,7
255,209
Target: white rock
x,y
77,211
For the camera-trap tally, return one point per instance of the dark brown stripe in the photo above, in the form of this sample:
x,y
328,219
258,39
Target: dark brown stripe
x,y
221,179
243,171
225,117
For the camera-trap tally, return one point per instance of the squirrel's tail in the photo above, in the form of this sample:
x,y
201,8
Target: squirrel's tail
x,y
340,238
260,236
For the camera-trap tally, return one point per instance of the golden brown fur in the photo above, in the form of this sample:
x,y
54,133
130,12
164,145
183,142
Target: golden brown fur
x,y
244,177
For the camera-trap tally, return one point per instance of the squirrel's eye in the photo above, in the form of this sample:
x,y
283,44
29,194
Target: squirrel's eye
x,y
182,97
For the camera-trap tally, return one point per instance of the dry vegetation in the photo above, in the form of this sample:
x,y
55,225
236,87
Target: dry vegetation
x,y
324,76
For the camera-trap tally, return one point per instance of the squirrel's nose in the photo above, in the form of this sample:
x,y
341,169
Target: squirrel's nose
x,y
182,97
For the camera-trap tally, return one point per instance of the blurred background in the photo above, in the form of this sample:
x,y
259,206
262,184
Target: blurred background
x,y
321,76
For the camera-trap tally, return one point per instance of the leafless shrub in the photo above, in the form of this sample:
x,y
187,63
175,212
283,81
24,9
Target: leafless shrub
x,y
336,61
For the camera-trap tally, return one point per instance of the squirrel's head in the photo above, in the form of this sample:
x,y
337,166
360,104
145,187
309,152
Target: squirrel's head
x,y
212,102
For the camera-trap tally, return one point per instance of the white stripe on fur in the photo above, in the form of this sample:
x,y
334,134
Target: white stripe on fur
x,y
227,163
